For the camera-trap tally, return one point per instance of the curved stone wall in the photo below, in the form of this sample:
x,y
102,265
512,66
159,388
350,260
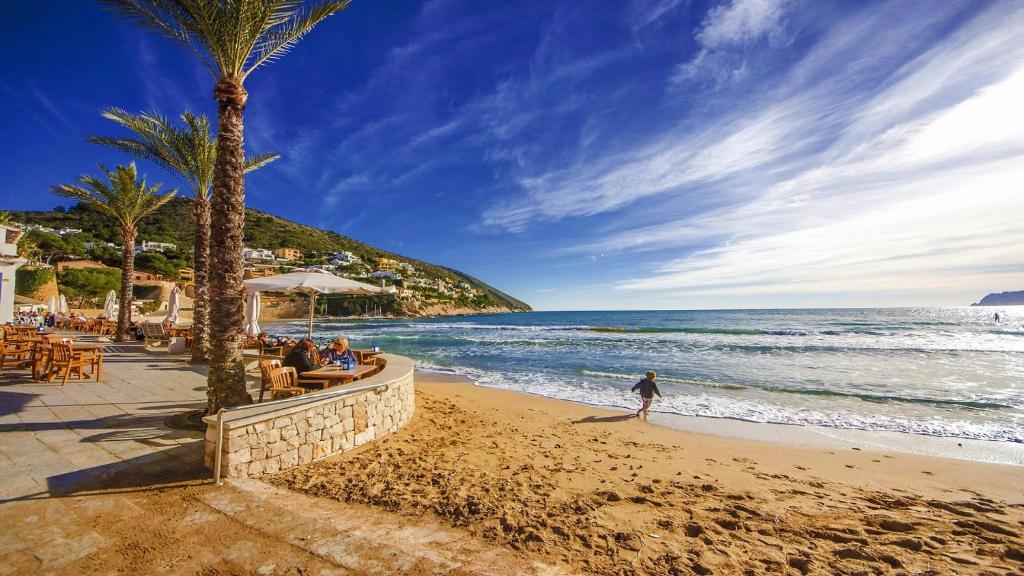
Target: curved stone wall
x,y
265,438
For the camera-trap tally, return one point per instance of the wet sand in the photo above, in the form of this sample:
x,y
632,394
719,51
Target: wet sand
x,y
597,492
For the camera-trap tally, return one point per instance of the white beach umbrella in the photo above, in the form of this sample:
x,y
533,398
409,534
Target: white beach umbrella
x,y
109,304
252,314
52,304
173,303
63,304
311,283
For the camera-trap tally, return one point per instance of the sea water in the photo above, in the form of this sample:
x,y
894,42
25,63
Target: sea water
x,y
950,372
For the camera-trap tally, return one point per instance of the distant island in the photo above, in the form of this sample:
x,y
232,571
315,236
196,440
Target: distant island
x,y
1003,299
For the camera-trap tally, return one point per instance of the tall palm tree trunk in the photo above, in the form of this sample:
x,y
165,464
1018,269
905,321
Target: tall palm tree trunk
x,y
227,369
124,314
201,301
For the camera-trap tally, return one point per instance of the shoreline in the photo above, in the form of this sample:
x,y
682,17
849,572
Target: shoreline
x,y
985,451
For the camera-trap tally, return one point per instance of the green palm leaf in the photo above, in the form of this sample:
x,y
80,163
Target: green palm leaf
x,y
230,37
122,195
189,151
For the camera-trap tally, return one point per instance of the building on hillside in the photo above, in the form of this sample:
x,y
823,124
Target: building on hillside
x,y
9,264
387,264
140,276
68,231
344,259
39,228
288,253
258,273
155,247
186,275
381,274
91,245
257,254
79,264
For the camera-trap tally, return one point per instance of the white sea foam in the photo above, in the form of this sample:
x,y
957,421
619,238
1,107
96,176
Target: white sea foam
x,y
943,372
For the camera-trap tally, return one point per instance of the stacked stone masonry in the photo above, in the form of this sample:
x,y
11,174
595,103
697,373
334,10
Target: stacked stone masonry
x,y
275,440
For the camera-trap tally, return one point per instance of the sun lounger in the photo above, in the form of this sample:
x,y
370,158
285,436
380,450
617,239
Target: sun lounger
x,y
155,334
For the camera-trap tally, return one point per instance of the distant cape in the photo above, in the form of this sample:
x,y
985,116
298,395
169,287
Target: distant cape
x,y
1003,299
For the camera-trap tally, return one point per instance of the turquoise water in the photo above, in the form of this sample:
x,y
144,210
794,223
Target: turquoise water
x,y
935,371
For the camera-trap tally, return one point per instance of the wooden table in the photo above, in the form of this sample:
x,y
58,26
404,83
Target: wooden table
x,y
333,375
96,347
366,354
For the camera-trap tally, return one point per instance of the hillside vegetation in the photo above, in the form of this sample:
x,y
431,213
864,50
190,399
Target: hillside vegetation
x,y
173,223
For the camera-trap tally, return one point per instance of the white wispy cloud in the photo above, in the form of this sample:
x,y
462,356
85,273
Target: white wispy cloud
x,y
741,21
834,179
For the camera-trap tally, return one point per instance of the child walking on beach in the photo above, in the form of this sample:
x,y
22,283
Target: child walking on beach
x,y
648,389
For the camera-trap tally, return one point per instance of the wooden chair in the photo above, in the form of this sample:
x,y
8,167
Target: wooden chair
x,y
18,352
266,366
284,382
378,363
42,359
64,360
262,349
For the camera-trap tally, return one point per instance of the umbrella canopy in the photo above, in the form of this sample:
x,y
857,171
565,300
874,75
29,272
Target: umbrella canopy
x,y
52,304
311,283
252,314
173,303
109,304
63,304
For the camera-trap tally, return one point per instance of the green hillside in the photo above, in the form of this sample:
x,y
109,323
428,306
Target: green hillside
x,y
173,223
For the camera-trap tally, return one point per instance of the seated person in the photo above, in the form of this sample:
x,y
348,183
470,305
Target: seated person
x,y
338,351
303,357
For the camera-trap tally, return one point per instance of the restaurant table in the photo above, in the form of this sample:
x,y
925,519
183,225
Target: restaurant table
x,y
334,375
366,354
37,372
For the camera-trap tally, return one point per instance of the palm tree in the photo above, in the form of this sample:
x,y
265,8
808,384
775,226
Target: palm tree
x,y
188,152
231,38
128,200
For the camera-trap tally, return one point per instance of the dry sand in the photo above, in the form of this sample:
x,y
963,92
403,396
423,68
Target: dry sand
x,y
594,491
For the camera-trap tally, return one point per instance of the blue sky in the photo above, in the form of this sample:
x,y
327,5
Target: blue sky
x,y
601,154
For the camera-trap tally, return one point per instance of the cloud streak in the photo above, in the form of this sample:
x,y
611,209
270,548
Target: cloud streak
x,y
863,180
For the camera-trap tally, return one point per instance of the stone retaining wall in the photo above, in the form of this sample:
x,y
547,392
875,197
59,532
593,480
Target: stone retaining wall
x,y
265,438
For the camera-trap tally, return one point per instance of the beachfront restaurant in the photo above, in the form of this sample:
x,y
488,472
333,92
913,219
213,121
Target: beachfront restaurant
x,y
9,264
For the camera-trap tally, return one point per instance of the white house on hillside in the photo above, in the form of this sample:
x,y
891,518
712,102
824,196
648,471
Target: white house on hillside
x,y
9,262
155,247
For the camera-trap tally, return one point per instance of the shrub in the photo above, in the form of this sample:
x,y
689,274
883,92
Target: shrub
x,y
30,280
89,282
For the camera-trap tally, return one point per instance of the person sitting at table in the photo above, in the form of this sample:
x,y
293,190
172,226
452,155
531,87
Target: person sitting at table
x,y
338,351
303,357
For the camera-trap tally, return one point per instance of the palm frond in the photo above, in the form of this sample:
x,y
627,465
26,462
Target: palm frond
x,y
230,37
287,27
189,151
259,161
120,194
173,19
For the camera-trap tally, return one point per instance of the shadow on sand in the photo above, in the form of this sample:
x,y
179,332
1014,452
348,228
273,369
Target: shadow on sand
x,y
604,419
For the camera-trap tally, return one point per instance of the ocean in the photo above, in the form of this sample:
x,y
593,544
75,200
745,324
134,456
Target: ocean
x,y
950,372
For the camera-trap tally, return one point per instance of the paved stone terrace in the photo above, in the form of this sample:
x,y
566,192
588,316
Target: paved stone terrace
x,y
56,439
93,482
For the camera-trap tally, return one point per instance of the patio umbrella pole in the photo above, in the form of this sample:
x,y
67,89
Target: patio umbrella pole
x,y
312,304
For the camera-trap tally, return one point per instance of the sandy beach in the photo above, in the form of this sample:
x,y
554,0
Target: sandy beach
x,y
594,491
